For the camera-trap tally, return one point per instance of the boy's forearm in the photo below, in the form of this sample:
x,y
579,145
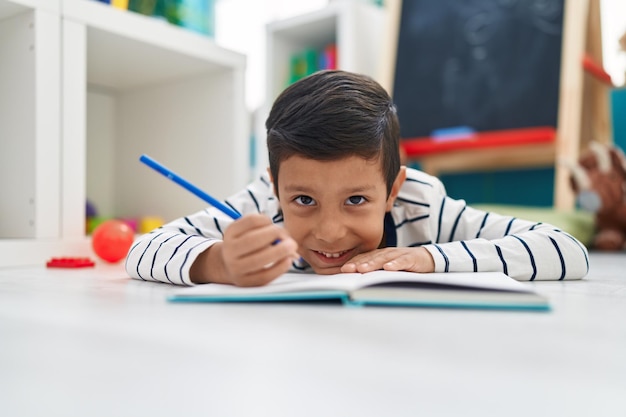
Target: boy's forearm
x,y
544,253
209,267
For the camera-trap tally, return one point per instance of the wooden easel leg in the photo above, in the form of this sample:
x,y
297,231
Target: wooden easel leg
x,y
570,98
596,121
578,98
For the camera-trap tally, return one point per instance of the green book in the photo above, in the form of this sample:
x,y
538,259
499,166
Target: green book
x,y
145,7
486,290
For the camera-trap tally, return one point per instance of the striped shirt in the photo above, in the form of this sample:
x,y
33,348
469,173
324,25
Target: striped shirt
x,y
460,238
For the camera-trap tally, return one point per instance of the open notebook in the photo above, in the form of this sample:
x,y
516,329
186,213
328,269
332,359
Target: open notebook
x,y
486,290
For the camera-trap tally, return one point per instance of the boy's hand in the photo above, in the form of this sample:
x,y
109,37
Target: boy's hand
x,y
392,259
254,252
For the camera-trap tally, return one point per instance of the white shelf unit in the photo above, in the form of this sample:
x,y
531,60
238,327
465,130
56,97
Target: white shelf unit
x,y
115,84
29,119
357,28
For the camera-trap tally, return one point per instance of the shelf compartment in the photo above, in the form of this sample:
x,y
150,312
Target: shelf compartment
x,y
146,86
356,28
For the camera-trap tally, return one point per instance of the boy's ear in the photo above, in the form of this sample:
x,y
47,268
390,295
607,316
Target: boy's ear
x,y
395,188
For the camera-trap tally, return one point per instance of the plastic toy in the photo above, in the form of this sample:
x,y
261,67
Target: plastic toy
x,y
599,181
68,262
93,222
148,224
90,209
111,240
132,223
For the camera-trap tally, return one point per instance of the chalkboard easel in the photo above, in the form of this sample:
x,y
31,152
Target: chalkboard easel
x,y
461,91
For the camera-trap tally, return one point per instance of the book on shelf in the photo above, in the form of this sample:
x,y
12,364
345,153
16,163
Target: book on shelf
x,y
311,60
195,15
486,290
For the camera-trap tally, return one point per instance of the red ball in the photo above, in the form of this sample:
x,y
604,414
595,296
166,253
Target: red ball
x,y
111,240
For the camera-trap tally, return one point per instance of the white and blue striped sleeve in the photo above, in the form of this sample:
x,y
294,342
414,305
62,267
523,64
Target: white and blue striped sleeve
x,y
167,253
467,239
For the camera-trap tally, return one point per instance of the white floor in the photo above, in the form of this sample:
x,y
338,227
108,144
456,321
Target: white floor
x,y
92,342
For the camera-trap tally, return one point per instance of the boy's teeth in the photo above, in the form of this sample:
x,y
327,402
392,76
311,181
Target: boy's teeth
x,y
332,255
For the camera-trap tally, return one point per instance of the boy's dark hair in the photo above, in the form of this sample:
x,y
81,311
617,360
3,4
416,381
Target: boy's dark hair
x,y
334,114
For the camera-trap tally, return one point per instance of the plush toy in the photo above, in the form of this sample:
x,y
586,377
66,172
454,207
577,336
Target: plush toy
x,y
599,181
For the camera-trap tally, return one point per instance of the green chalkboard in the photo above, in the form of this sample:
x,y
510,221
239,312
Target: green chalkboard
x,y
486,64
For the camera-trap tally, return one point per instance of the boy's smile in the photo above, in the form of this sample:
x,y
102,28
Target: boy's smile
x,y
334,210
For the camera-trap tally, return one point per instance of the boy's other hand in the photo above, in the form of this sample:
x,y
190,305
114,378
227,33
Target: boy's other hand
x,y
392,259
254,252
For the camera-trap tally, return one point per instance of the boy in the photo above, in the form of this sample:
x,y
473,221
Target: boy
x,y
336,199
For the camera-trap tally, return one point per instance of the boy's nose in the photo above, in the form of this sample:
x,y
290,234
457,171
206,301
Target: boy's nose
x,y
329,227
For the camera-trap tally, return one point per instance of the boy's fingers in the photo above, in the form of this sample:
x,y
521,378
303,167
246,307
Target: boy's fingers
x,y
389,259
395,265
256,251
245,224
259,239
265,258
265,275
256,240
363,263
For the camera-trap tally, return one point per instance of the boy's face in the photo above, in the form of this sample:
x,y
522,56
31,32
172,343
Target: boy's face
x,y
334,209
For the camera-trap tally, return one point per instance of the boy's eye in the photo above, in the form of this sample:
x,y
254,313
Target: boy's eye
x,y
304,200
355,200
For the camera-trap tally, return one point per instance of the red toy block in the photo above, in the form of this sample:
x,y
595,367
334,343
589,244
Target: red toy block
x,y
70,263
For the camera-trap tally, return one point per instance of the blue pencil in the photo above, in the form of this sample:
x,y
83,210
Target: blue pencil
x,y
189,186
